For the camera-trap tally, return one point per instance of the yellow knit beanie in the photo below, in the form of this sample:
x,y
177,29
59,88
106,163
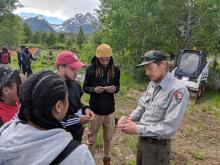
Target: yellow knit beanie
x,y
103,50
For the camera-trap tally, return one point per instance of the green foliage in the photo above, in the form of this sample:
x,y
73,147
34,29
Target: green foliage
x,y
87,52
61,38
59,46
133,27
69,42
213,97
209,104
36,37
214,77
206,29
200,125
11,31
199,155
31,45
51,40
127,82
80,38
7,6
131,162
128,64
44,36
27,33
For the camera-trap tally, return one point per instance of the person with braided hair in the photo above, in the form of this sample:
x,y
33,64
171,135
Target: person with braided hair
x,y
37,136
10,82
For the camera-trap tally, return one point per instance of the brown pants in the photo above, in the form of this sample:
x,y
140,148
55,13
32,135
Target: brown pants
x,y
150,152
108,124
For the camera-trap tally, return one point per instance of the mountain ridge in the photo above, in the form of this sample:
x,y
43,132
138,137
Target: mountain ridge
x,y
71,25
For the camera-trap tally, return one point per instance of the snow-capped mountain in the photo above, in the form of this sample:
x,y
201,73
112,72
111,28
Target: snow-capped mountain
x,y
72,25
86,21
39,24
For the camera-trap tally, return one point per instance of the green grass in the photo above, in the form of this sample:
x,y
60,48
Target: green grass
x,y
129,83
85,98
131,140
131,162
209,104
99,139
198,155
43,62
213,97
200,125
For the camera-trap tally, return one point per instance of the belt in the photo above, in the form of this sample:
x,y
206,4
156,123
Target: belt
x,y
155,141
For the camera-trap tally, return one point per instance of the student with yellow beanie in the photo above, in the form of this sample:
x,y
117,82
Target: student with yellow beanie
x,y
102,81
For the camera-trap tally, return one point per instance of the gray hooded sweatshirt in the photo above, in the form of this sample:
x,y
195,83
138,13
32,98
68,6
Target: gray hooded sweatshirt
x,y
24,144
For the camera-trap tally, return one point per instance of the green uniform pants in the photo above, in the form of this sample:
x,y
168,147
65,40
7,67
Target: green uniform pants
x,y
153,152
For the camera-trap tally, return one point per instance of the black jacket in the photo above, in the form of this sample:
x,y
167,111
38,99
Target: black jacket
x,y
104,103
23,60
71,121
75,93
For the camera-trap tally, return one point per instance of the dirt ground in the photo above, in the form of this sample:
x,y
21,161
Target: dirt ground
x,y
197,141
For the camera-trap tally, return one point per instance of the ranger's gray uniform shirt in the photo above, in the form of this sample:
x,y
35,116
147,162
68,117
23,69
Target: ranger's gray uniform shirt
x,y
161,108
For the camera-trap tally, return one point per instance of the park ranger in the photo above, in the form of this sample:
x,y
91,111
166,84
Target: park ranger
x,y
159,111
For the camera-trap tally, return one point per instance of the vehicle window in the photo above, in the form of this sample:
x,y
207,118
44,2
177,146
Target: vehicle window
x,y
189,63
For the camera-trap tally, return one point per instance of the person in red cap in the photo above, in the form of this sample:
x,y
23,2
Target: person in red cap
x,y
68,64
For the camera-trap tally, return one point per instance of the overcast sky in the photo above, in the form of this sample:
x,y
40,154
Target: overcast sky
x,y
62,9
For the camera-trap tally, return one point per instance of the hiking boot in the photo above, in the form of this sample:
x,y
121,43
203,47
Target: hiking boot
x,y
106,161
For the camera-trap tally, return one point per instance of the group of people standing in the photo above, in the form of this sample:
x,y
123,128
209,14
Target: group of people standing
x,y
48,128
24,57
102,81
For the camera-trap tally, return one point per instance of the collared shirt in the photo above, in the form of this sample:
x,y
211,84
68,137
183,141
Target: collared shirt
x,y
161,108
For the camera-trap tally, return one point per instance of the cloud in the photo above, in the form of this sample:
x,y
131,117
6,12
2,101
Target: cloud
x,y
56,8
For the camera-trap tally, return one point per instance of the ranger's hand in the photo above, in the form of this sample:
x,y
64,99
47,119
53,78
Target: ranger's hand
x,y
129,127
122,121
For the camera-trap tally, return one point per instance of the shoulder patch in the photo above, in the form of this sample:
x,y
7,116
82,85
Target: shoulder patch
x,y
178,96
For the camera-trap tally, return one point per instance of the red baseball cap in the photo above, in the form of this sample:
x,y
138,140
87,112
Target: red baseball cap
x,y
69,58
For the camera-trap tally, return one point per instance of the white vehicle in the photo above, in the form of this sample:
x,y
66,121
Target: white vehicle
x,y
192,68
